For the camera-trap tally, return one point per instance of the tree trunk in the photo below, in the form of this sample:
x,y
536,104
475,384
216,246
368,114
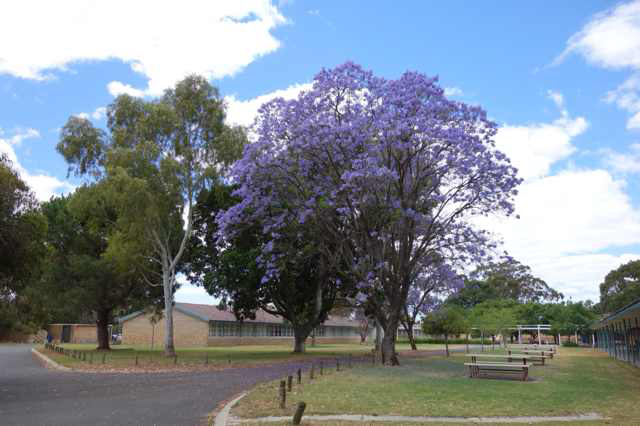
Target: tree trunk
x,y
389,356
102,327
446,343
378,341
169,348
412,341
298,346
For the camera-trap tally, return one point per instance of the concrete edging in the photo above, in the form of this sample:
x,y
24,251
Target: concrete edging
x,y
49,363
409,419
223,416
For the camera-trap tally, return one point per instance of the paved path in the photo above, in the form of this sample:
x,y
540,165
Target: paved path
x,y
33,395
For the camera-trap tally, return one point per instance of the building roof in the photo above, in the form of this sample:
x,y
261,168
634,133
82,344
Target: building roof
x,y
213,313
630,310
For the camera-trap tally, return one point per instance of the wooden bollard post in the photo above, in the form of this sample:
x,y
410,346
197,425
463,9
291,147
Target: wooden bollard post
x,y
299,376
289,383
321,368
297,417
313,367
136,360
104,357
283,394
337,364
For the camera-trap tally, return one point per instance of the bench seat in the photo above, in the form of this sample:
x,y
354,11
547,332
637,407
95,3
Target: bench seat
x,y
476,368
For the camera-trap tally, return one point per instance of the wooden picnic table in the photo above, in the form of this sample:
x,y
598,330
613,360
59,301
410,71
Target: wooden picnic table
x,y
508,357
535,356
476,368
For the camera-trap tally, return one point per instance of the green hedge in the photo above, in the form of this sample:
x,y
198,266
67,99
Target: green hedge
x,y
569,344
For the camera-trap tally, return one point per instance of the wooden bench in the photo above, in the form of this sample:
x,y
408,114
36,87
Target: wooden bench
x,y
546,348
477,368
547,353
507,357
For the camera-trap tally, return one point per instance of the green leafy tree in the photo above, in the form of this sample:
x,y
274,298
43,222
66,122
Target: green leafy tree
x,y
447,321
506,280
494,318
92,268
620,287
22,230
159,155
232,273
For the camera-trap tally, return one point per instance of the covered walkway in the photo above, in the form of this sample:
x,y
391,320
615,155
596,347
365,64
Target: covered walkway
x,y
619,334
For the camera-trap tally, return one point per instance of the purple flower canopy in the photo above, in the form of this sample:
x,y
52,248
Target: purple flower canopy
x,y
377,163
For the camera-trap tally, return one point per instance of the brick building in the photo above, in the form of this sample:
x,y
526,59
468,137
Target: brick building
x,y
73,333
206,325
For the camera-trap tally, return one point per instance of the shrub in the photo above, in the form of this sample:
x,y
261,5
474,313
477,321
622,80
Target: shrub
x,y
570,344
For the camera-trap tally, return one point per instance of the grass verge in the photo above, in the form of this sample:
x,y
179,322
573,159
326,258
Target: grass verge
x,y
122,357
577,381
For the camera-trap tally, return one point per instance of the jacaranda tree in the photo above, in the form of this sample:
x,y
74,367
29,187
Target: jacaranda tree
x,y
385,173
433,285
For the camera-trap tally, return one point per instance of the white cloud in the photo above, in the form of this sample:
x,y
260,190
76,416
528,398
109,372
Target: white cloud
x,y
116,88
611,39
157,39
452,91
43,186
189,293
98,114
534,148
623,162
244,112
627,97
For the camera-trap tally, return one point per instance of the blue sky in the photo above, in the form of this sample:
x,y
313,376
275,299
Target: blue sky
x,y
561,78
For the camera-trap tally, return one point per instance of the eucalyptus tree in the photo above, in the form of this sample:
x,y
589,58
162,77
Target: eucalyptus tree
x,y
386,173
158,154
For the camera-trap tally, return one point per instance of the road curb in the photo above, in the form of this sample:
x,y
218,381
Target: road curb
x,y
49,363
223,416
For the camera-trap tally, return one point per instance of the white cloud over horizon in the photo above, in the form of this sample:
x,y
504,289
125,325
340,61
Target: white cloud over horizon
x,y
44,186
162,42
569,218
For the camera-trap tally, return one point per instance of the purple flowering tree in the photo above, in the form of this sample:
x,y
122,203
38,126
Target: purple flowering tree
x,y
385,174
432,286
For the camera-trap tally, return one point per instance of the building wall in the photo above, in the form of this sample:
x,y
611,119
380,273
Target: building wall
x,y
241,341
187,331
79,333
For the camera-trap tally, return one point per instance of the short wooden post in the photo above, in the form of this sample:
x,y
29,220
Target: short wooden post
x,y
283,394
91,358
313,367
299,376
337,364
104,356
289,383
321,367
297,417
136,360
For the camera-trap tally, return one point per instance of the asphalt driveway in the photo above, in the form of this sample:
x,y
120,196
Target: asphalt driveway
x,y
33,395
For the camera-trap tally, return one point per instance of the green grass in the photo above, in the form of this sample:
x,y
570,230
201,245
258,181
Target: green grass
x,y
123,356
577,381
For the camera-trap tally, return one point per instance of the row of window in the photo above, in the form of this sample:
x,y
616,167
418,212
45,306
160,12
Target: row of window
x,y
227,329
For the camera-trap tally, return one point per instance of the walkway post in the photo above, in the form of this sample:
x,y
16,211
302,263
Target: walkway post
x,y
539,342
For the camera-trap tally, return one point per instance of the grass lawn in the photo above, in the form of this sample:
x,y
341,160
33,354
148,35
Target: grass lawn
x,y
124,357
577,381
